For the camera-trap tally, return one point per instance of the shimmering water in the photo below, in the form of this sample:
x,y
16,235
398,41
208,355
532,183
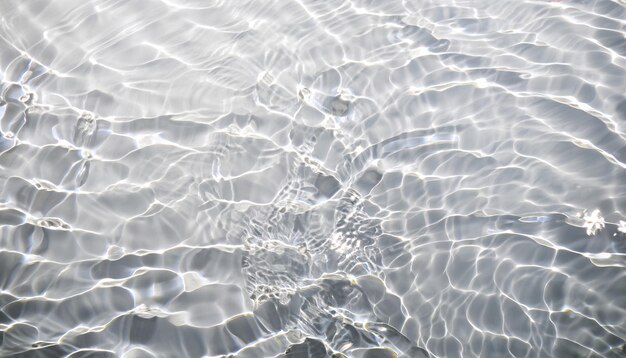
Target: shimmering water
x,y
312,178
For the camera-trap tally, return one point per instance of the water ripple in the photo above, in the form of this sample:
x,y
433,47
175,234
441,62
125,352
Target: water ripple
x,y
313,178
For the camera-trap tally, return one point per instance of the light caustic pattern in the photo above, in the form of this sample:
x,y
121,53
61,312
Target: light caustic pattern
x,y
308,178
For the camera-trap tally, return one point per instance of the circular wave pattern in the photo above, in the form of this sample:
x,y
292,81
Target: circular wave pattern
x,y
304,178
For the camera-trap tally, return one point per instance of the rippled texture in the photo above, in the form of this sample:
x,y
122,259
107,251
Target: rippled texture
x,y
293,178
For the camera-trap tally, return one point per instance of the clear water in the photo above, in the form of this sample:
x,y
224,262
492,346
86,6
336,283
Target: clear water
x,y
308,178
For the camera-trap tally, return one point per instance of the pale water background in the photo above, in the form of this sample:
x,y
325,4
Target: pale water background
x,y
303,178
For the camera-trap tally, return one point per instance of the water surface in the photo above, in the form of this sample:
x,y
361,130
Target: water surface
x,y
306,178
